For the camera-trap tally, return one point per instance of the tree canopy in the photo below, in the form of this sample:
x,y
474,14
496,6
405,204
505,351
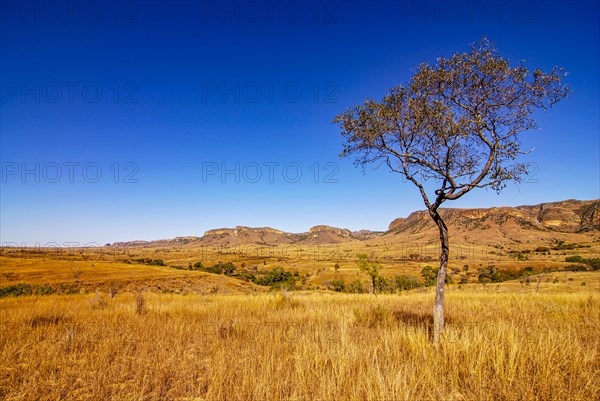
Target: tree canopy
x,y
456,122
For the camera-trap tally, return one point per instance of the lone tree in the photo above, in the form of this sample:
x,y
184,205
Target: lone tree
x,y
371,266
454,127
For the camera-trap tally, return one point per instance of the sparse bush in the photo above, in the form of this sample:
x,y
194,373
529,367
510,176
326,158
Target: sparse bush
x,y
371,266
520,256
151,262
574,259
492,274
528,271
16,290
575,268
429,274
44,289
594,263
228,269
356,287
384,285
337,285
277,278
406,282
246,276
561,245
220,268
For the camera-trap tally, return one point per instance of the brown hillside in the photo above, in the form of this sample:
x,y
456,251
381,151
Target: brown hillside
x,y
519,224
571,220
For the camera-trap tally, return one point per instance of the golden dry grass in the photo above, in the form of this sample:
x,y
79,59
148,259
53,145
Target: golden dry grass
x,y
301,346
90,275
507,341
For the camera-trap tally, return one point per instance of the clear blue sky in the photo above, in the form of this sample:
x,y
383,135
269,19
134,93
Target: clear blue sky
x,y
159,97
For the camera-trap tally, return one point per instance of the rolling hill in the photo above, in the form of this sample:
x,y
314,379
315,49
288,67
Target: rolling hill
x,y
570,220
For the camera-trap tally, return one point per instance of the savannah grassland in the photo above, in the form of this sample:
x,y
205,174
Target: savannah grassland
x,y
138,332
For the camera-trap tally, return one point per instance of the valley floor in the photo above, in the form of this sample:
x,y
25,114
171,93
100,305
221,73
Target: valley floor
x,y
498,345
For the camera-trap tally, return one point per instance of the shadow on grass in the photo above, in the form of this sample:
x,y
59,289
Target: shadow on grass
x,y
417,321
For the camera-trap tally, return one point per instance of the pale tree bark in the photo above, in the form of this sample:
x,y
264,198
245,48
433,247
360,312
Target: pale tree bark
x,y
438,305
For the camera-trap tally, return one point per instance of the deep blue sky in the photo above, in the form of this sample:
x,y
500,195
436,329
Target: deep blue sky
x,y
187,86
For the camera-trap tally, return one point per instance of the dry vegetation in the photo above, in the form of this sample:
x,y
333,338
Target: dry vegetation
x,y
533,346
126,336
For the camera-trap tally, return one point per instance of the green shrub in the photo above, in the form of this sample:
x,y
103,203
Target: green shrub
x,y
277,278
356,287
384,285
220,268
528,271
16,290
429,274
406,282
151,262
246,276
594,263
574,259
227,268
492,274
576,268
44,289
337,285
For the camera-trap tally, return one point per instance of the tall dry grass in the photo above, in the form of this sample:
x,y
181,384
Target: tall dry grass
x,y
497,346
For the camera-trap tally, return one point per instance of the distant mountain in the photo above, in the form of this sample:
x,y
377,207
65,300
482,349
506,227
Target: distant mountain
x,y
317,235
241,235
521,223
158,243
541,222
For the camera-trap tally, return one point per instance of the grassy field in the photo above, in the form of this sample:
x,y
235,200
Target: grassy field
x,y
298,346
130,331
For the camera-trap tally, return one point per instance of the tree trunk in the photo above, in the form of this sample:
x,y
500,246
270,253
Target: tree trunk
x,y
438,305
374,285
